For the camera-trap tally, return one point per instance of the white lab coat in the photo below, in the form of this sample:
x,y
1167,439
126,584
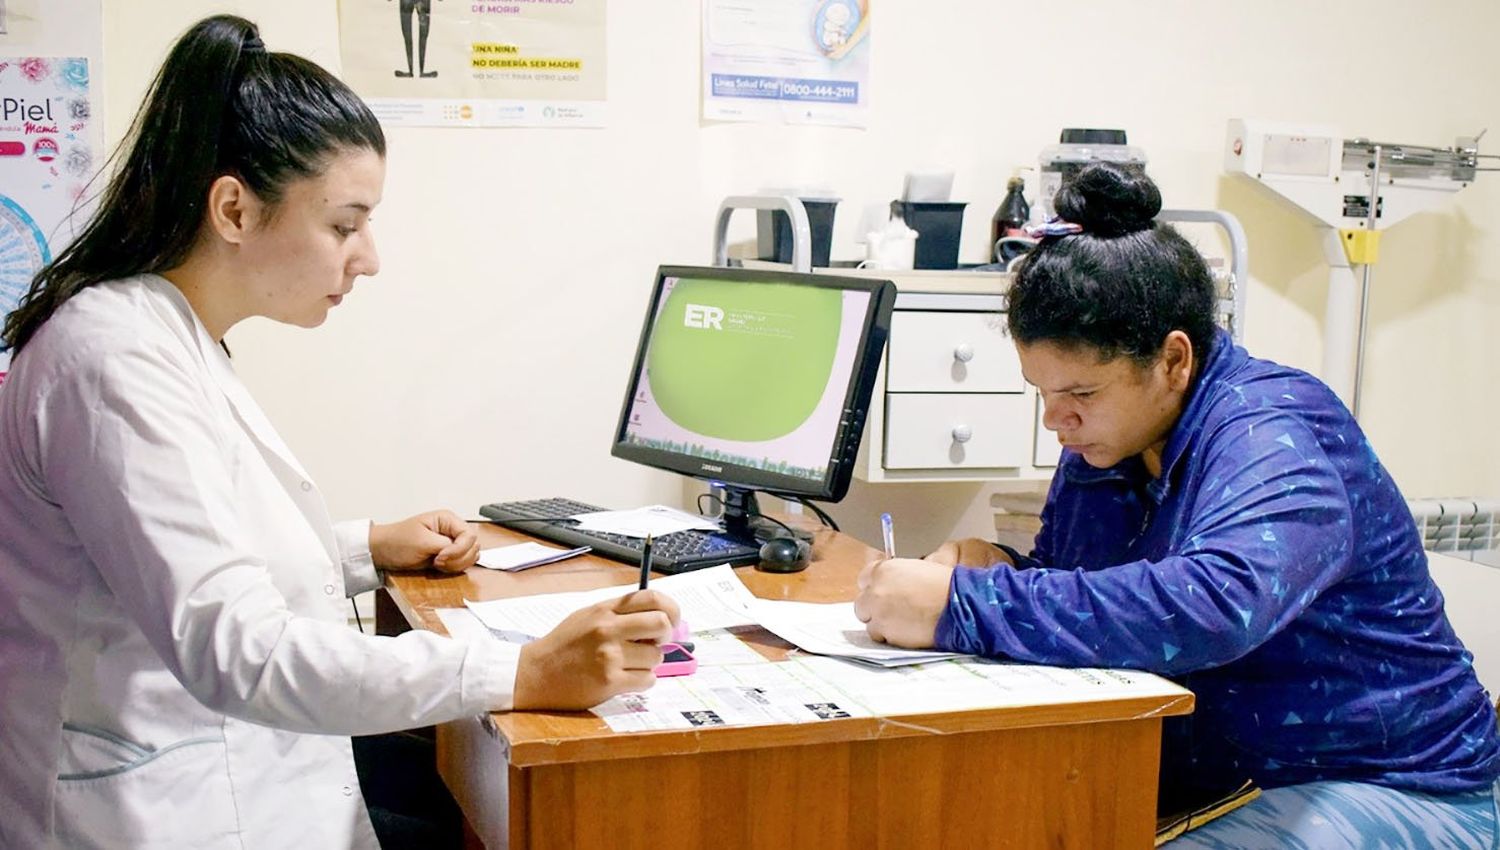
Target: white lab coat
x,y
175,665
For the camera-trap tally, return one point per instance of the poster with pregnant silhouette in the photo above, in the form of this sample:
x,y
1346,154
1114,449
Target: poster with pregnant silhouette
x,y
456,63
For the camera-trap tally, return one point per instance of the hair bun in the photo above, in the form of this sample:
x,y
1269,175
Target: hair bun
x,y
1107,199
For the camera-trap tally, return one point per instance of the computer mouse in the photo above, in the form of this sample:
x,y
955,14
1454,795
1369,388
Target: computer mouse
x,y
784,555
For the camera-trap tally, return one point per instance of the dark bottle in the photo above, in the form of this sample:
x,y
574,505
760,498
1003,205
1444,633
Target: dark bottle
x,y
1010,219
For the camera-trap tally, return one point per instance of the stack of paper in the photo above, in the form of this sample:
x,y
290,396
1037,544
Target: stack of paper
x,y
832,629
521,556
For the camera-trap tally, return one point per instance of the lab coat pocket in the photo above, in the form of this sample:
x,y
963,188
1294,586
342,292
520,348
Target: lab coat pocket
x,y
174,796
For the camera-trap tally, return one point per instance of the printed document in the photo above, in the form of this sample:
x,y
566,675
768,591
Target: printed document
x,y
730,695
832,629
712,598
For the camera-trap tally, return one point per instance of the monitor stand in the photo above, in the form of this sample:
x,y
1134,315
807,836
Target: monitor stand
x,y
744,523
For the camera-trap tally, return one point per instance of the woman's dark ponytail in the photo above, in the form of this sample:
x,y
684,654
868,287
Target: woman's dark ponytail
x,y
220,104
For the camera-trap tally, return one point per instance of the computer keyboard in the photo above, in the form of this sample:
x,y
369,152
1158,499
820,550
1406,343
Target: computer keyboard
x,y
671,553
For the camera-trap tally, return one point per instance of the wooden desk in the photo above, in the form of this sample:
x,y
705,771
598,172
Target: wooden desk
x,y
1064,776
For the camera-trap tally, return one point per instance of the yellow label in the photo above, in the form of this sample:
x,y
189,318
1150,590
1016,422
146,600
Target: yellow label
x,y
1362,247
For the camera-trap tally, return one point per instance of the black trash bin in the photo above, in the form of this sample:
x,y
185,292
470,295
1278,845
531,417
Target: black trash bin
x,y
938,226
819,225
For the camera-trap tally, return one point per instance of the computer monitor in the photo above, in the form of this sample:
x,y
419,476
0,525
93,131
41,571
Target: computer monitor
x,y
755,380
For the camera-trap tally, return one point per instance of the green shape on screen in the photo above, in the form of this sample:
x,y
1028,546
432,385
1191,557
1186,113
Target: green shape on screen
x,y
743,361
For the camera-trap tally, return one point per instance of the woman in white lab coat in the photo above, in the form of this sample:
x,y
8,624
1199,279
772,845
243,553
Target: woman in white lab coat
x,y
175,667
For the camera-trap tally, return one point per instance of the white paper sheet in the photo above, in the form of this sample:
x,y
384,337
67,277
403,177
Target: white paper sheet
x,y
718,647
712,598
521,556
832,629
650,521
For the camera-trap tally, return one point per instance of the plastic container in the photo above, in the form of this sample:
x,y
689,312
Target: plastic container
x,y
938,226
774,231
1078,148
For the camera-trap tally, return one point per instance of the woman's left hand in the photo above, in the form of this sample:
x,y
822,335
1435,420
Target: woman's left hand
x,y
437,539
900,600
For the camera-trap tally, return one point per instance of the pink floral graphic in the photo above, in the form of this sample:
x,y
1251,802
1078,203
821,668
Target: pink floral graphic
x,y
35,69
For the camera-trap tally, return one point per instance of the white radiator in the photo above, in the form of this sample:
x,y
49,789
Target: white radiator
x,y
1463,528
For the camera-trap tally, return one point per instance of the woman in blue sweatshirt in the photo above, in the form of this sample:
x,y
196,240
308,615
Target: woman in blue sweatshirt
x,y
1223,521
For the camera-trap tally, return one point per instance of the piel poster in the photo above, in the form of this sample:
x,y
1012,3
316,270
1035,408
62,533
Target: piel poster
x,y
787,61
49,130
46,162
477,63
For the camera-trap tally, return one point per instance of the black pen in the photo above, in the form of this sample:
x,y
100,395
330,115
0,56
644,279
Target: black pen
x,y
646,562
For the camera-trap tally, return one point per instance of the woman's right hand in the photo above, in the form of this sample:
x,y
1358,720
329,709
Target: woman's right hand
x,y
969,552
605,649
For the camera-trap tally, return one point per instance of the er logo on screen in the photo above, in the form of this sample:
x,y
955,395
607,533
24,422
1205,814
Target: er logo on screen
x,y
745,362
699,316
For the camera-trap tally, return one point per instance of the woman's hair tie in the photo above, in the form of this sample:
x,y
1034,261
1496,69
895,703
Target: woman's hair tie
x,y
1053,226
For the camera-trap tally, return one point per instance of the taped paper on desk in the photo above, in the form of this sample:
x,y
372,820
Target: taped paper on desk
x,y
976,683
812,689
731,695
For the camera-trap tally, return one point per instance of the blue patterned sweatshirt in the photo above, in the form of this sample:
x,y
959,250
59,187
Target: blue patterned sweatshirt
x,y
1274,570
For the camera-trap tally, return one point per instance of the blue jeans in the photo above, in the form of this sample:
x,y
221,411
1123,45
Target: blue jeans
x,y
1352,816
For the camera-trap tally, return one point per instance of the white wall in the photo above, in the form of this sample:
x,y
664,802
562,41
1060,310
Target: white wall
x,y
487,360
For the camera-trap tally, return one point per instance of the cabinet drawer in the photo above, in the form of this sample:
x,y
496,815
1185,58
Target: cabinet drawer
x,y
924,431
1048,450
952,353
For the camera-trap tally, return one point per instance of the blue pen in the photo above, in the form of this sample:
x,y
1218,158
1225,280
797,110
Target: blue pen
x,y
888,534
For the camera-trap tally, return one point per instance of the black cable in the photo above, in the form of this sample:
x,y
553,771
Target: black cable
x,y
805,502
357,621
822,514
790,533
717,500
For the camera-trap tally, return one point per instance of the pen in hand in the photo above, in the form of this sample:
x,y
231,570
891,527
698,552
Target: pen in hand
x,y
646,562
888,535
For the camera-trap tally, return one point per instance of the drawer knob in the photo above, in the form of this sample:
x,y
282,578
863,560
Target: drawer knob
x,y
962,433
963,353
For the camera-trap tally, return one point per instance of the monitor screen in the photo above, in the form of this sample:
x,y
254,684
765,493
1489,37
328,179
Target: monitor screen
x,y
756,379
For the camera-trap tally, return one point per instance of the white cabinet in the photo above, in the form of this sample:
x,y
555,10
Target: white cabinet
x,y
965,431
950,403
933,351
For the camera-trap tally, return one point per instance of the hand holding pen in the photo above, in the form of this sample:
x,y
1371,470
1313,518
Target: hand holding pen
x,y
899,599
680,646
